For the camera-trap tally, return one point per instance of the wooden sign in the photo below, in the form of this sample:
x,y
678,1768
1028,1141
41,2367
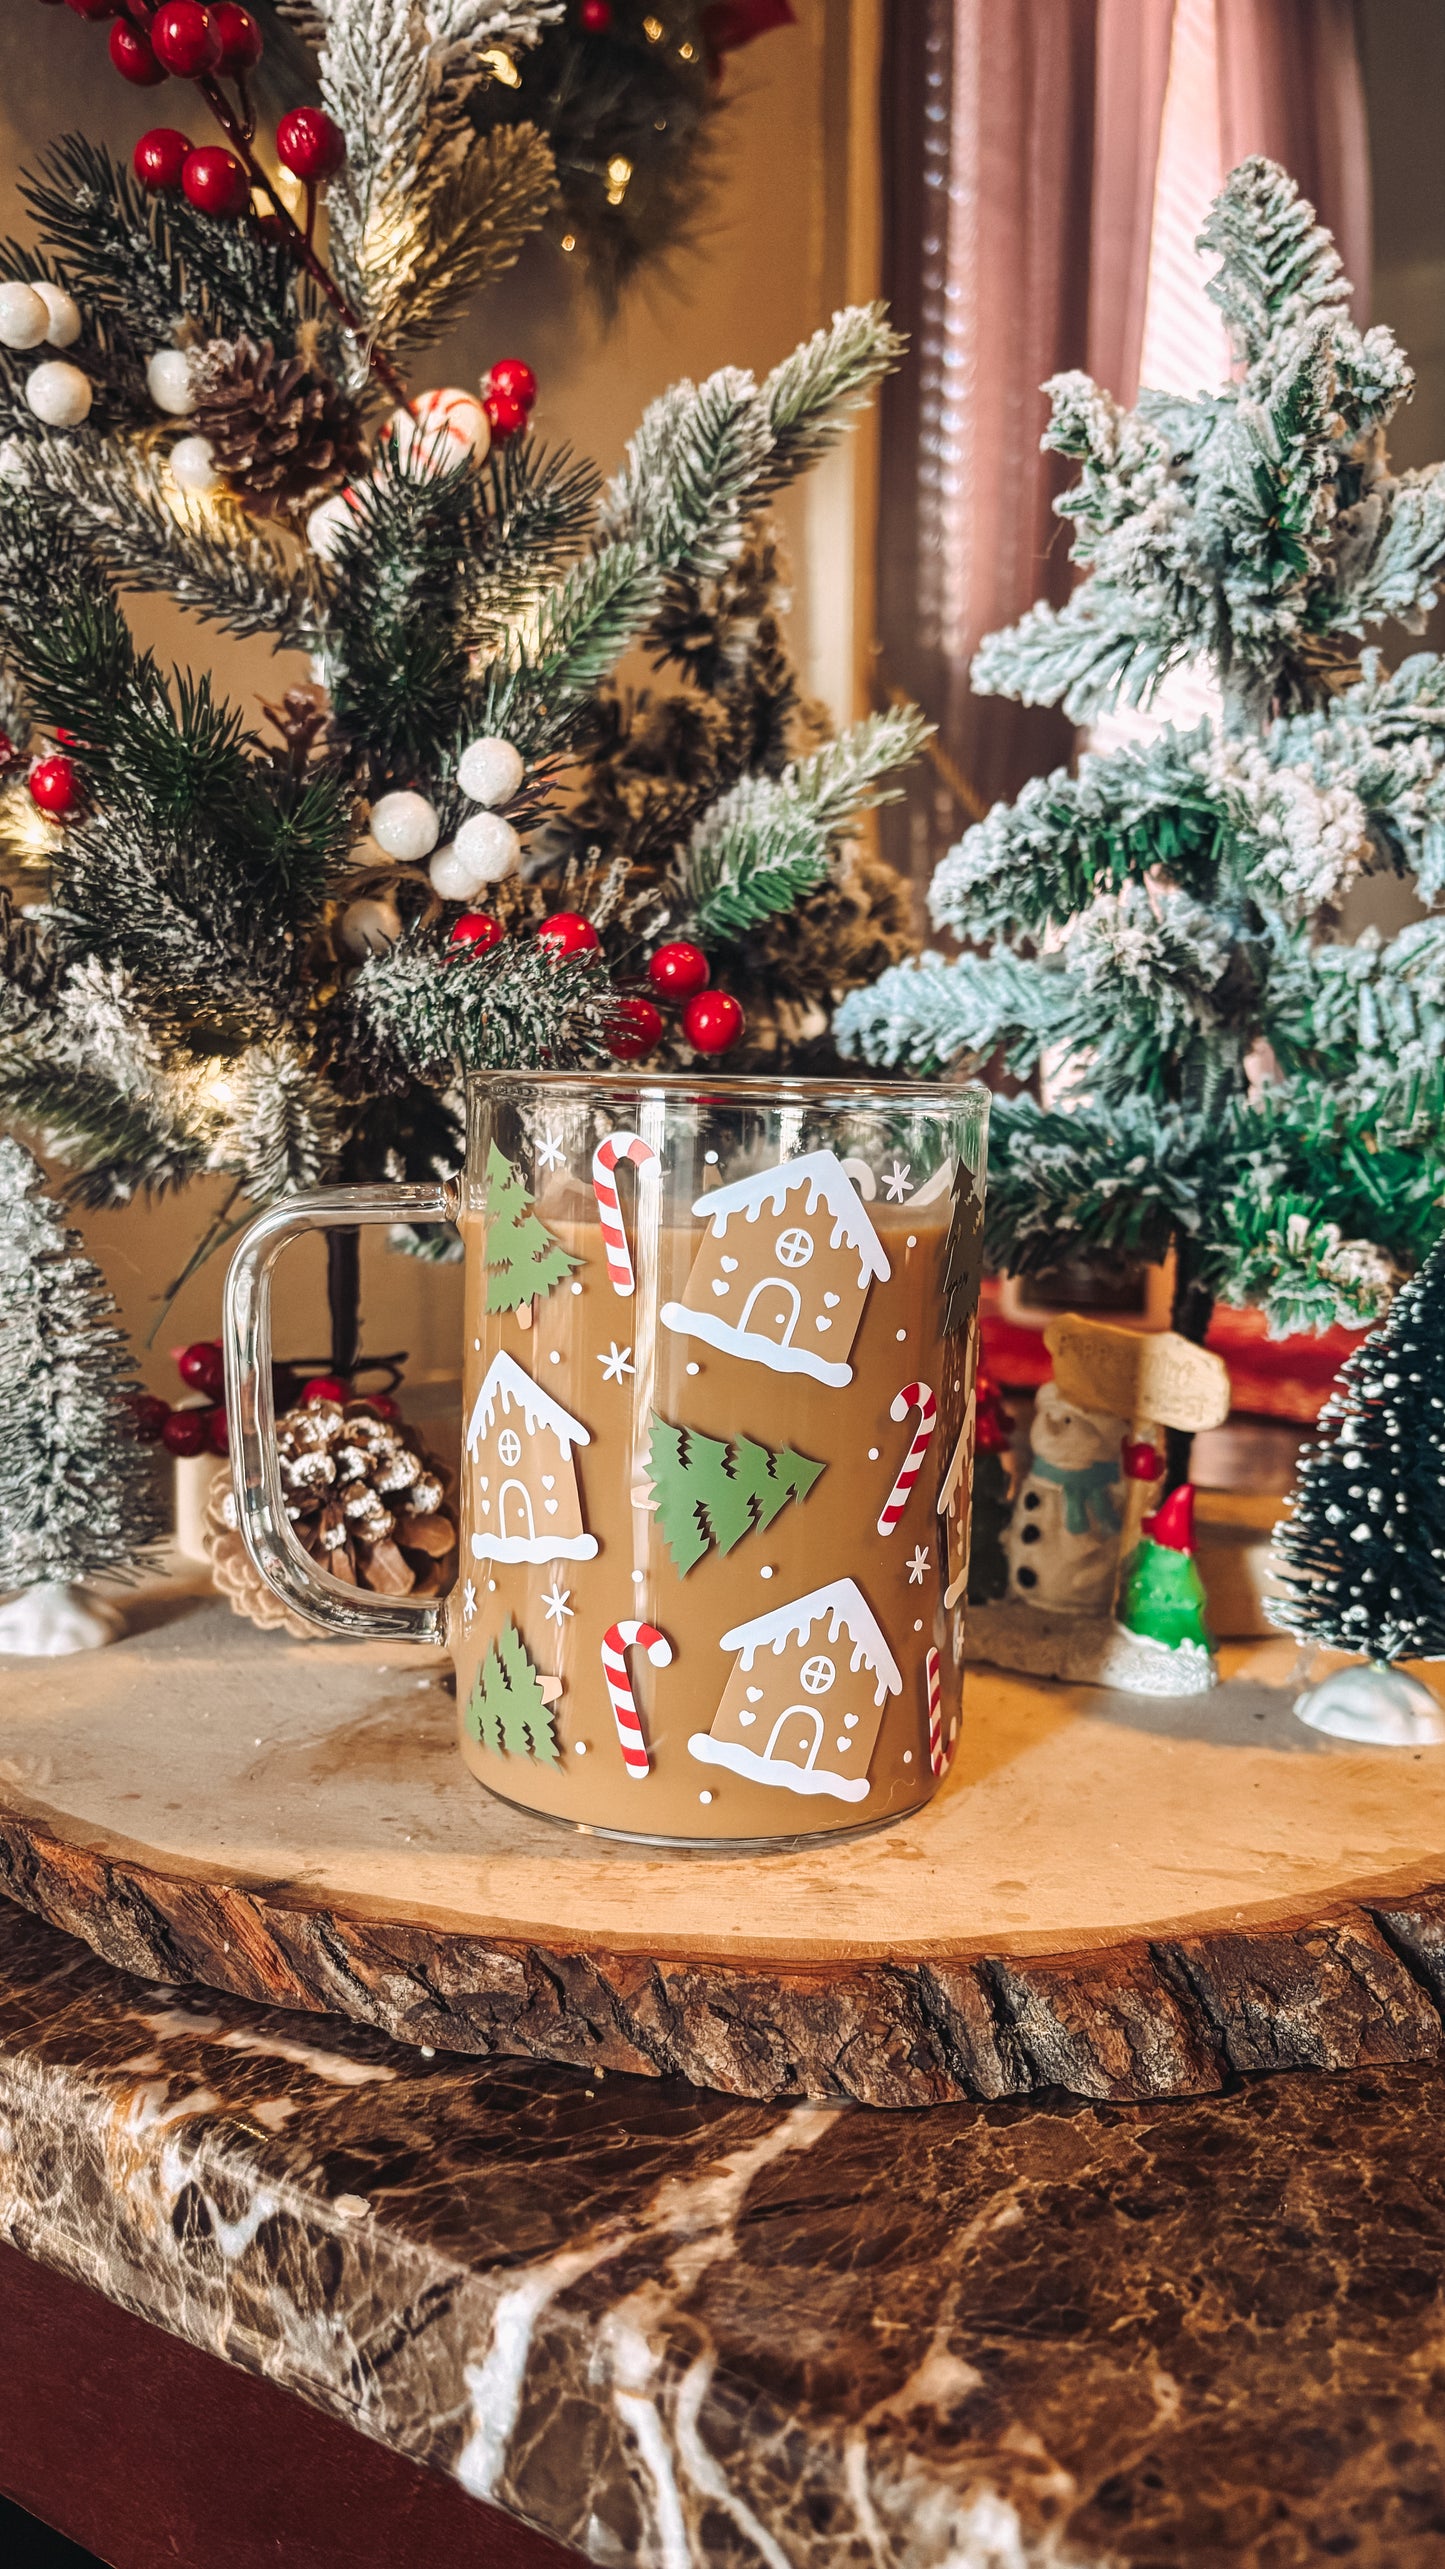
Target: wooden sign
x,y
1152,1375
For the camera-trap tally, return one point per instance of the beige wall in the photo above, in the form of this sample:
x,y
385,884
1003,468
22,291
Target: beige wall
x,y
789,234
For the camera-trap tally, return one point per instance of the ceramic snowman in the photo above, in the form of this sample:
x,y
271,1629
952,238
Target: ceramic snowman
x,y
1063,1536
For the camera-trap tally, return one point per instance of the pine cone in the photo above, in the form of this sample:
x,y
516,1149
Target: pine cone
x,y
281,431
366,1501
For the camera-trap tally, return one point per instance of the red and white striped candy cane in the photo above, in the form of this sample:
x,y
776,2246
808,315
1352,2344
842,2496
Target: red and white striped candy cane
x,y
913,1396
617,1640
618,1146
936,1759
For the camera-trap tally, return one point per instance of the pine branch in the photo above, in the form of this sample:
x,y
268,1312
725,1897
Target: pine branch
x,y
419,1011
1279,269
765,844
475,231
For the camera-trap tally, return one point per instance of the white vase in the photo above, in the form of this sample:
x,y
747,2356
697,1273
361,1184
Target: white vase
x,y
1377,1706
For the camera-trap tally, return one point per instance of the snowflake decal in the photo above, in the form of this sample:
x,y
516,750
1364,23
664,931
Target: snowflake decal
x,y
615,1363
469,1602
550,1153
918,1562
897,1181
555,1602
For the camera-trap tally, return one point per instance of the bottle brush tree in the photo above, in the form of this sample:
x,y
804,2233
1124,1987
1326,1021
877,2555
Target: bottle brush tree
x,y
1229,1078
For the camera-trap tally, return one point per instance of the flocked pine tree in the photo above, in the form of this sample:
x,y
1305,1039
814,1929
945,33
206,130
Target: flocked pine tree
x,y
1230,1078
1362,1550
270,957
80,1497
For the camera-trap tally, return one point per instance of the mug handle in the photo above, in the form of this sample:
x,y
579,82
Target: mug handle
x,y
332,1605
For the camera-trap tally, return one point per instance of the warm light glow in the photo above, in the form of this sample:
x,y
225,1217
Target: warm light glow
x,y
619,171
687,53
291,190
502,67
569,240
652,29
32,837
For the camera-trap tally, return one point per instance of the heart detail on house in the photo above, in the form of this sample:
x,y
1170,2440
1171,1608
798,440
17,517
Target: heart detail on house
x,y
729,1266
745,1720
720,1285
822,1322
551,1506
486,1507
549,1480
755,1694
830,1302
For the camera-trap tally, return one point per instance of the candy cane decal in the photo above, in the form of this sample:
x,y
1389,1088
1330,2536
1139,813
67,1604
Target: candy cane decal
x,y
936,1759
913,1396
619,1146
617,1640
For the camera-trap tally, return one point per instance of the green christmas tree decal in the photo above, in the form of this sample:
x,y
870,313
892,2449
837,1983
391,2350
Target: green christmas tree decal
x,y
711,1493
523,1259
1163,1597
506,1709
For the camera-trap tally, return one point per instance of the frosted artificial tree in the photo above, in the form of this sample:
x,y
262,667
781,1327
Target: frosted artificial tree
x,y
1362,1549
274,957
80,1497
1229,1077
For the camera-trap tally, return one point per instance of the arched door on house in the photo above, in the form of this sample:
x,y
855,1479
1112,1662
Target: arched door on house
x,y
515,1519
771,1310
797,1736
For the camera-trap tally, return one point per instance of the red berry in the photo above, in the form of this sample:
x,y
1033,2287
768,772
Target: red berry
x,y
567,932
218,1429
596,16
55,787
159,158
507,417
185,1432
325,1387
678,971
215,182
242,43
92,8
183,37
634,1030
477,932
383,1404
514,377
713,1021
310,144
201,1369
131,54
151,1413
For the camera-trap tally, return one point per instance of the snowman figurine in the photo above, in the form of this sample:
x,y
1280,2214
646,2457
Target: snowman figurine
x,y
1068,1519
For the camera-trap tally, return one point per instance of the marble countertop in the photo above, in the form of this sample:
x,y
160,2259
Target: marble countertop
x,y
669,2327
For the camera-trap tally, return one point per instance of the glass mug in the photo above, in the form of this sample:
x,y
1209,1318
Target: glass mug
x,y
721,1343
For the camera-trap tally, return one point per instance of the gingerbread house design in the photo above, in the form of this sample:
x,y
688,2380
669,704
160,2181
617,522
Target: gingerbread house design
x,y
803,1706
526,1504
783,1274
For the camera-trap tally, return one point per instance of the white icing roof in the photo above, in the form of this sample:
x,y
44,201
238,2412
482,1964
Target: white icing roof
x,y
507,1381
827,1182
847,1610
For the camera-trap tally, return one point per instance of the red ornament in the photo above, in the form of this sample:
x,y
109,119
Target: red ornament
x,y
325,1387
242,43
476,932
994,1428
513,377
185,1433
678,971
184,38
310,144
55,787
133,59
201,1369
634,1030
159,158
1172,1522
151,1413
713,1021
596,16
215,182
507,417
92,8
567,932
218,1429
1140,1461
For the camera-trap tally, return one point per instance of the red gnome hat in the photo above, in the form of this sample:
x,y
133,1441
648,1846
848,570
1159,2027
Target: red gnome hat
x,y
1172,1523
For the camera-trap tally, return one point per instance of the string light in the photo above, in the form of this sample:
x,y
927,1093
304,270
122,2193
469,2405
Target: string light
x,y
502,67
652,28
687,53
619,171
569,240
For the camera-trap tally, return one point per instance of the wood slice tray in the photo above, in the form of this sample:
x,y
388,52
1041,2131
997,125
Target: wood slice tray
x,y
1117,1897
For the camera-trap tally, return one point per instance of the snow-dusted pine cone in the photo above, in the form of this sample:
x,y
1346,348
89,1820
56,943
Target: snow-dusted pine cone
x,y
281,432
366,1500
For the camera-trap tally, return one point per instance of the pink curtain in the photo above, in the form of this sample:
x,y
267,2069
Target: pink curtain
x,y
1021,145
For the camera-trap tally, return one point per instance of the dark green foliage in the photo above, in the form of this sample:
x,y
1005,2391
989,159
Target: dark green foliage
x,y
708,1493
1363,1547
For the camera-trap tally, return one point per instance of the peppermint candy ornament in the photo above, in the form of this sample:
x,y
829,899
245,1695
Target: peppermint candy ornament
x,y
440,433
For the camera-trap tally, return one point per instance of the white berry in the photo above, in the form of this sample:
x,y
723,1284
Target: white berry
x,y
369,926
327,523
490,771
24,318
193,464
406,827
63,323
59,394
452,878
490,846
168,381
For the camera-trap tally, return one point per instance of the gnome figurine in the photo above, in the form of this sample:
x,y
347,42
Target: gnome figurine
x,y
1064,1535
